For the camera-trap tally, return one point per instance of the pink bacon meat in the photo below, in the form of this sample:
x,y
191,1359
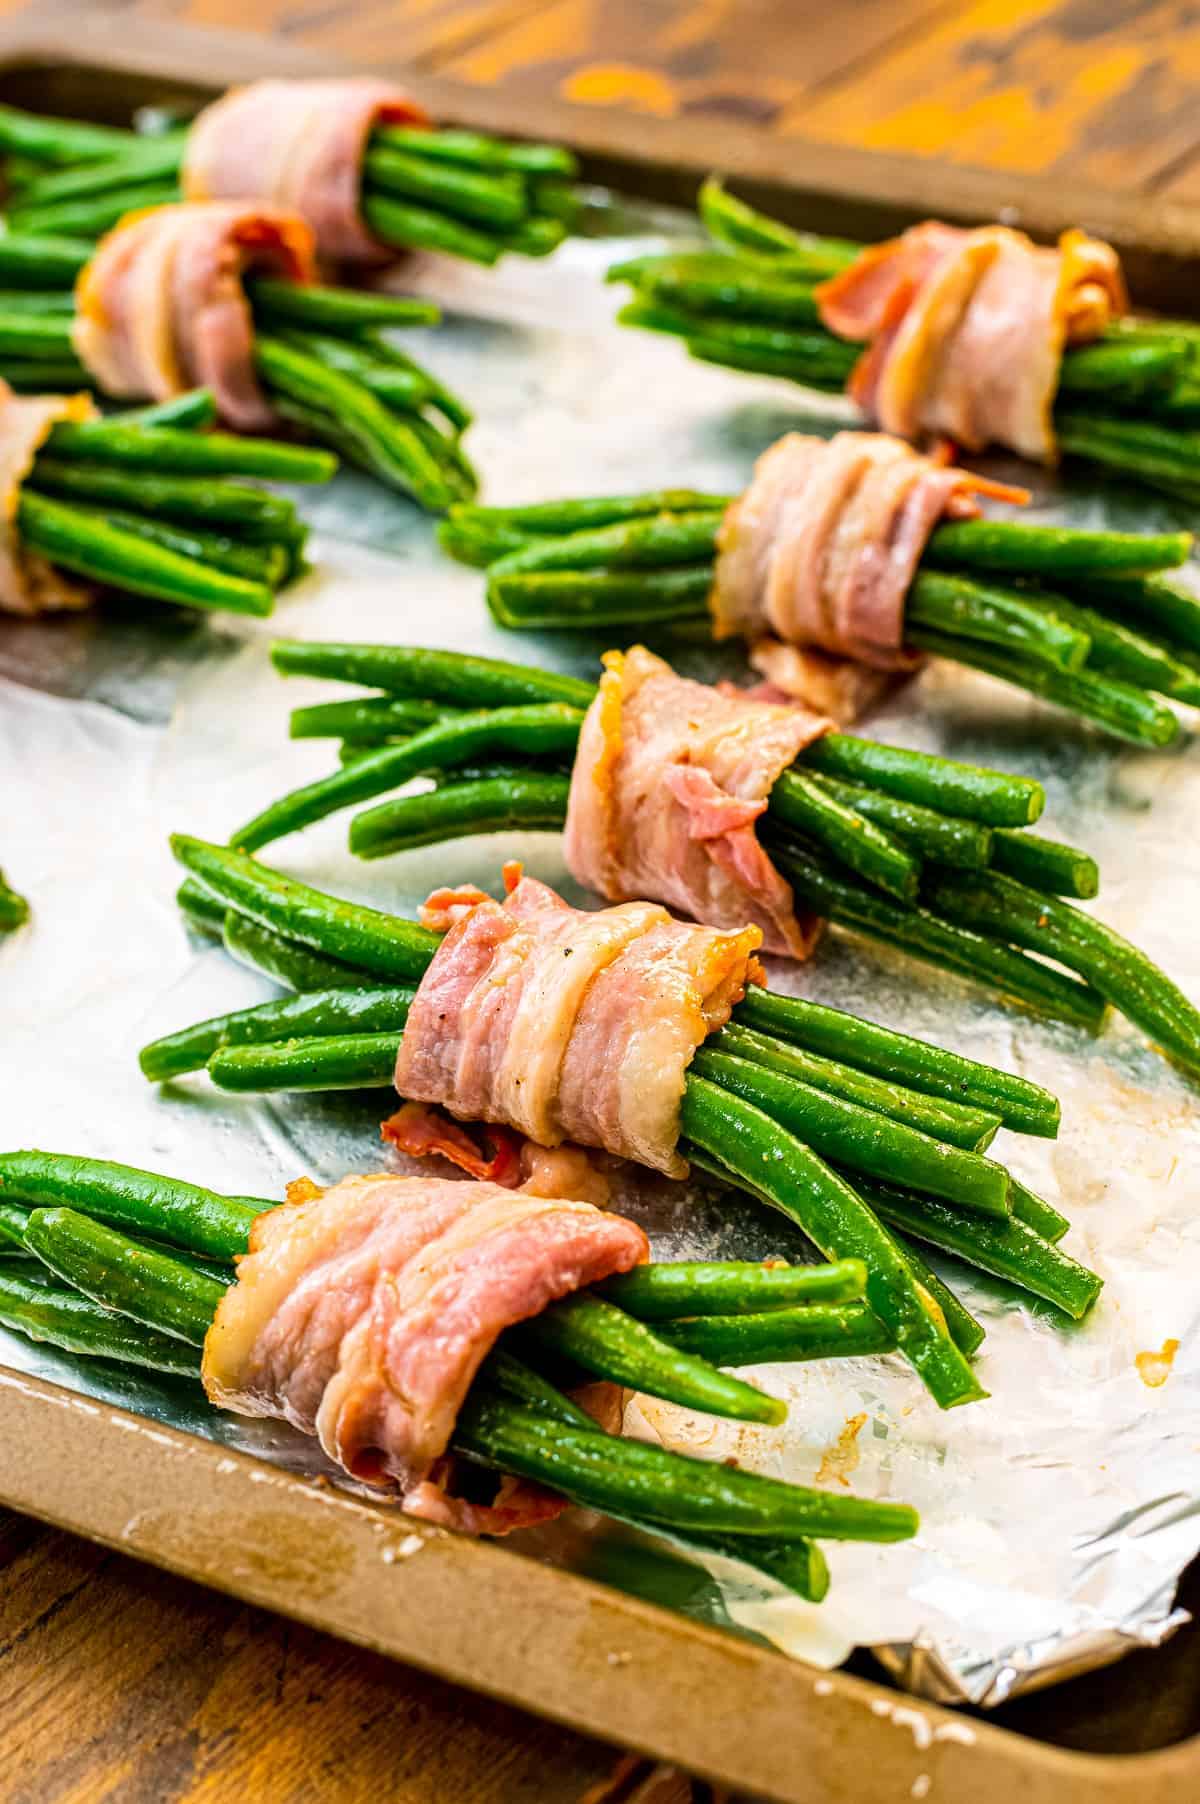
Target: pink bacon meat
x,y
300,145
669,782
162,305
362,1315
572,1026
29,583
967,329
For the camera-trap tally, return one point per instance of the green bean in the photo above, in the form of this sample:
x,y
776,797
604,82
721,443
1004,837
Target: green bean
x,y
328,309
122,1196
710,282
521,803
1006,1249
656,1293
861,1139
1116,706
36,337
445,448
957,1124
93,215
548,729
991,797
1022,625
772,1163
604,1341
941,837
284,959
187,412
924,934
354,1061
257,563
443,399
57,304
1036,1213
504,1373
477,543
1157,454
732,222
1046,551
475,148
317,1013
405,225
655,1485
1119,651
633,544
1045,864
200,910
63,1318
598,598
822,363
13,1223
801,803
216,453
576,516
991,903
1021,1105
150,159
14,909
86,543
965,1331
783,1336
440,676
28,262
1128,371
386,443
159,1292
406,391
366,722
493,201
57,141
381,943
198,500
1157,605
47,377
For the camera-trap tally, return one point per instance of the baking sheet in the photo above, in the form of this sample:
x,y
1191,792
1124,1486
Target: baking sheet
x,y
1055,1519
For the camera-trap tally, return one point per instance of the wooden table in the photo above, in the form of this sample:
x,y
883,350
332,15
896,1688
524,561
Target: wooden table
x,y
118,1682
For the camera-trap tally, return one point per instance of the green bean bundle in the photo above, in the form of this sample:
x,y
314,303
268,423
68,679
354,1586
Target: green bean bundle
x,y
1128,403
461,193
916,851
132,1267
790,1087
321,360
151,506
1095,622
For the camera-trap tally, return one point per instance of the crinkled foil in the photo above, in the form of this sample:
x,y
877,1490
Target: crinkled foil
x,y
1056,1518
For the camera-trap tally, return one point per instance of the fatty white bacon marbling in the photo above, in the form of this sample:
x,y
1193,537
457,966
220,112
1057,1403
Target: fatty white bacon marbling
x,y
362,1315
162,305
300,145
669,782
29,583
822,547
967,329
566,1025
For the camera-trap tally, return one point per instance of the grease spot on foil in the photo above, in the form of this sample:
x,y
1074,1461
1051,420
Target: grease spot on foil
x,y
843,1457
1155,1368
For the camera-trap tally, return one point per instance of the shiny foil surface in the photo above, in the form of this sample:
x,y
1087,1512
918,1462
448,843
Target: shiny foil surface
x,y
1056,1517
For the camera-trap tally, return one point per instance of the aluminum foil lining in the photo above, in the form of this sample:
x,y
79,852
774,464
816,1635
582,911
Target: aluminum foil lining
x,y
1056,1518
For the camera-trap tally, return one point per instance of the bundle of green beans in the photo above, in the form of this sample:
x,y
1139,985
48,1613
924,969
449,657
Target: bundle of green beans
x,y
786,1093
14,909
321,358
461,193
1095,622
120,1264
149,504
920,852
1129,402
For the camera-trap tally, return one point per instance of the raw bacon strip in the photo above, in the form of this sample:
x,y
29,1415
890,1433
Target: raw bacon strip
x,y
362,1315
669,782
822,547
967,330
300,145
29,583
572,1026
162,305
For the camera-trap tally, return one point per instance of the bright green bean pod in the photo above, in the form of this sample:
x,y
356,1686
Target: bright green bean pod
x,y
783,1336
453,678
629,544
324,308
143,1202
991,797
355,1061
251,513
1045,864
366,722
941,837
151,1287
63,1318
525,802
215,453
13,1222
1046,552
659,1292
1018,622
799,802
285,960
318,1014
